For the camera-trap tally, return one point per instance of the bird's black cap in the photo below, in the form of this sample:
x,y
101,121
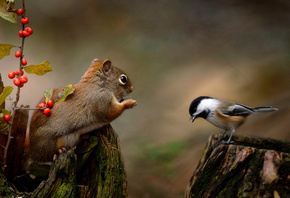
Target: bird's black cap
x,y
195,103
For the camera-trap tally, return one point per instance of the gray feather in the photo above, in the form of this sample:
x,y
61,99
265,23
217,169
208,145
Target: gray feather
x,y
239,109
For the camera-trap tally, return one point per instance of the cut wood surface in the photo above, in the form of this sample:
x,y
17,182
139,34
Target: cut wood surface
x,y
251,167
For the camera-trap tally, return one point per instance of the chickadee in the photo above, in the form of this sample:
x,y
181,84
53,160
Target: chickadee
x,y
223,114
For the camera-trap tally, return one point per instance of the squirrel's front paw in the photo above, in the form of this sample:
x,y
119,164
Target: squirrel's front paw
x,y
130,103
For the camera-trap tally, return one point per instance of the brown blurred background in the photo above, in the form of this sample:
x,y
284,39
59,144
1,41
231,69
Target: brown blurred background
x,y
173,51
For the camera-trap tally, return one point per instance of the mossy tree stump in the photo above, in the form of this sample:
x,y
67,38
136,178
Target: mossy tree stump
x,y
251,167
95,168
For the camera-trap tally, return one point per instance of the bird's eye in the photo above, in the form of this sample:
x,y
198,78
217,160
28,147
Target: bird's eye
x,y
123,79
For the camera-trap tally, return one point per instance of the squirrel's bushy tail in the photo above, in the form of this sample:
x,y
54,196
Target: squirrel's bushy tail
x,y
264,109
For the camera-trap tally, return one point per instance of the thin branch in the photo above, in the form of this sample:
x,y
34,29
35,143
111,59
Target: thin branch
x,y
29,108
14,104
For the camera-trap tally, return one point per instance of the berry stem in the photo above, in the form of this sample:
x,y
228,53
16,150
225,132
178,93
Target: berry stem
x,y
26,108
14,104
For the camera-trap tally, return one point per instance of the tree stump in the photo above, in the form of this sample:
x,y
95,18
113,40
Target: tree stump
x,y
15,151
18,133
95,168
251,167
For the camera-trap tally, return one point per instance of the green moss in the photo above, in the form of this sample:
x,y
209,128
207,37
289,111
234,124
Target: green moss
x,y
109,177
222,193
65,190
5,191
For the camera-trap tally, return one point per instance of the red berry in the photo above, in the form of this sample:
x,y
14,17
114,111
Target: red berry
x,y
28,29
50,103
17,72
25,20
41,106
23,79
21,84
24,62
16,81
47,111
17,54
25,33
11,74
20,11
6,117
20,33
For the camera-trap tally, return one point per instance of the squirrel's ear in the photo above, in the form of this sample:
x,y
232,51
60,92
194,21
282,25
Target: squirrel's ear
x,y
96,60
107,64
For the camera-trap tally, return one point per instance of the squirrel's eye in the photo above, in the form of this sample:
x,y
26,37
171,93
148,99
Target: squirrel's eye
x,y
123,79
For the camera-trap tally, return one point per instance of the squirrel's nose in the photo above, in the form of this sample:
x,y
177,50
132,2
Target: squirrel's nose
x,y
131,89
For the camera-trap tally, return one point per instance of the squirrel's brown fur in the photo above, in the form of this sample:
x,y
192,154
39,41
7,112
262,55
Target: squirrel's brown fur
x,y
95,102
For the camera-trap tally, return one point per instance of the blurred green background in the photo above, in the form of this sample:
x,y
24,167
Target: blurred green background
x,y
173,51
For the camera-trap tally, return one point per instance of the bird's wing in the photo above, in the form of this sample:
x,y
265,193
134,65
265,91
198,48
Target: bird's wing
x,y
238,109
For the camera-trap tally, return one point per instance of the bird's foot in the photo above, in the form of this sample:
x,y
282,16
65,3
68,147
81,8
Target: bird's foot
x,y
227,142
216,144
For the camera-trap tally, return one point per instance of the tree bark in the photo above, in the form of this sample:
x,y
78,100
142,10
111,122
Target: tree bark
x,y
18,133
2,106
15,150
251,167
95,168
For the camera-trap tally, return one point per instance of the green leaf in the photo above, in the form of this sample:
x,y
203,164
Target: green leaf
x,y
48,94
4,127
68,90
5,112
39,69
5,50
6,92
4,8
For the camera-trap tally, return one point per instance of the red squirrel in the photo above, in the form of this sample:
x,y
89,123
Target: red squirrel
x,y
96,101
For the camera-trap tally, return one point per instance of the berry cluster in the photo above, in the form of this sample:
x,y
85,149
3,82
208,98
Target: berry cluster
x,y
24,20
27,32
18,81
46,107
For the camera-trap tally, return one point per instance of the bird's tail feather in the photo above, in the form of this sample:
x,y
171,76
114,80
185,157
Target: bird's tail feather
x,y
265,109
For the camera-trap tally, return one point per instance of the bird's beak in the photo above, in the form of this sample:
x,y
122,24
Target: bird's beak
x,y
192,118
